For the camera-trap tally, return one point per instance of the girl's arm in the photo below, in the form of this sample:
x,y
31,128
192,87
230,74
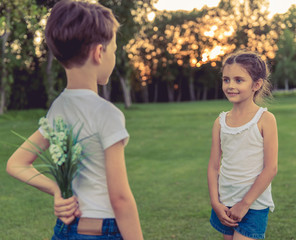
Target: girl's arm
x,y
213,174
270,142
20,166
121,197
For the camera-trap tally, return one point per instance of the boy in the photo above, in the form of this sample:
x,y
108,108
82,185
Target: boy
x,y
82,36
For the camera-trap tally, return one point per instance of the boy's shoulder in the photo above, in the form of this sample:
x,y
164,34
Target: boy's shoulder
x,y
87,101
104,104
101,106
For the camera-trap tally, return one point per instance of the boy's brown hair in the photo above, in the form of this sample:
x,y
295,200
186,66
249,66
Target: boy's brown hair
x,y
74,27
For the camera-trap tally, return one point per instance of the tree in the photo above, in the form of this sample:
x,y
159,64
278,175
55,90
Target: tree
x,y
177,44
285,70
18,20
285,25
131,15
5,77
52,68
204,41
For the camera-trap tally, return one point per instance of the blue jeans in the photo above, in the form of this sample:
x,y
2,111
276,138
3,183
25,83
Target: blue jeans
x,y
253,224
110,231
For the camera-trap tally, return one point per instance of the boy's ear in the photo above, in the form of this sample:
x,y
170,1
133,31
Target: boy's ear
x,y
257,85
97,53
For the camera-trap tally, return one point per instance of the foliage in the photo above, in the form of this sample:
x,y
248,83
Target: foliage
x,y
18,25
285,68
185,41
284,93
131,15
175,57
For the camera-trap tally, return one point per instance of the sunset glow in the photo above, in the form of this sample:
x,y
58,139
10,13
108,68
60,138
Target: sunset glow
x,y
200,41
275,6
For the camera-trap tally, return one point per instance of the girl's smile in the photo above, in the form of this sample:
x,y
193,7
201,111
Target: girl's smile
x,y
232,94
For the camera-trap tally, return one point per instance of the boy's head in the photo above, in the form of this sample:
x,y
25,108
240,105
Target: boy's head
x,y
74,27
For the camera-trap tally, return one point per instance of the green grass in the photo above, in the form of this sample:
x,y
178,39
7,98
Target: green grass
x,y
167,159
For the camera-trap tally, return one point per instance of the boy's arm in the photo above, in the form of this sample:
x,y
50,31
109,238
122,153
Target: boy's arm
x,y
121,197
270,143
20,166
213,174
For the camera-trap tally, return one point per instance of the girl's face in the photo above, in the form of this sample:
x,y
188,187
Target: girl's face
x,y
237,84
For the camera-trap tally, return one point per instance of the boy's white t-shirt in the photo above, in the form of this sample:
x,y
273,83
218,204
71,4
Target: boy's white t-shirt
x,y
103,126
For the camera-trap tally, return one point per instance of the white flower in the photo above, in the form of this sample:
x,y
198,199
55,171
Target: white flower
x,y
61,139
56,153
59,147
59,124
62,160
44,124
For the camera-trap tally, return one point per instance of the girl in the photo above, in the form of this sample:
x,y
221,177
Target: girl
x,y
246,140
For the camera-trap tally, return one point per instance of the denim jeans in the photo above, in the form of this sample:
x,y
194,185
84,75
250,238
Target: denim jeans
x,y
110,231
253,224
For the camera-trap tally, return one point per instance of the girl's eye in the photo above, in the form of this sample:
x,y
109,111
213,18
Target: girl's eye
x,y
226,80
239,80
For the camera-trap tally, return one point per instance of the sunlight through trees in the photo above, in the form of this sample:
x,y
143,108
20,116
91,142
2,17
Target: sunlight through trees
x,y
162,55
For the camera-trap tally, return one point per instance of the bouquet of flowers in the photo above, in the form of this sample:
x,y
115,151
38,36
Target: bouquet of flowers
x,y
63,160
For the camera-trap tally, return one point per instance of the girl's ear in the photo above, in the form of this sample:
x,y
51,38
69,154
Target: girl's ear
x,y
97,53
257,85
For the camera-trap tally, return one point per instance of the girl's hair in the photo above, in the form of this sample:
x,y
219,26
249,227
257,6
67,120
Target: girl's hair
x,y
257,68
74,27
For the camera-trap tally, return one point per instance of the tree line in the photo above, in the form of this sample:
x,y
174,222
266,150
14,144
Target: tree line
x,y
174,57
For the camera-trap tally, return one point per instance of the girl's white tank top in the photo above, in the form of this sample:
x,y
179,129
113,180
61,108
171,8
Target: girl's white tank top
x,y
242,162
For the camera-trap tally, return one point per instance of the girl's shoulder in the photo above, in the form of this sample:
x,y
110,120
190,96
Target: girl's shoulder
x,y
216,125
218,120
267,116
267,122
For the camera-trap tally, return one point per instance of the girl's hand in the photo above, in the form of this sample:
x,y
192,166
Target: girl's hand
x,y
66,209
238,211
222,213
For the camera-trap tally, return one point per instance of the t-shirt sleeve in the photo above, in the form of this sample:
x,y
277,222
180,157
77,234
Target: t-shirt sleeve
x,y
112,127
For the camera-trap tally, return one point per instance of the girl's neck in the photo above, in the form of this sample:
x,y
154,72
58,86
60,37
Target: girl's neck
x,y
244,108
241,114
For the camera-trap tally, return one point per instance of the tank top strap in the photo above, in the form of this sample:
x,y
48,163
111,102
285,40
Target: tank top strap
x,y
258,115
236,130
222,119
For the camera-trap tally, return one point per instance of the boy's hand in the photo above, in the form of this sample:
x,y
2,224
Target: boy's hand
x,y
222,213
66,209
238,211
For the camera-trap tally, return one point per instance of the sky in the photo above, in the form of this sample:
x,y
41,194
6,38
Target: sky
x,y
275,6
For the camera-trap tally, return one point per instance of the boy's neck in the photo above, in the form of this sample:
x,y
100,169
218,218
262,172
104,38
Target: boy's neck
x,y
81,78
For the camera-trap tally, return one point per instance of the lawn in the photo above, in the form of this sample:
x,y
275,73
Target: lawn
x,y
167,160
